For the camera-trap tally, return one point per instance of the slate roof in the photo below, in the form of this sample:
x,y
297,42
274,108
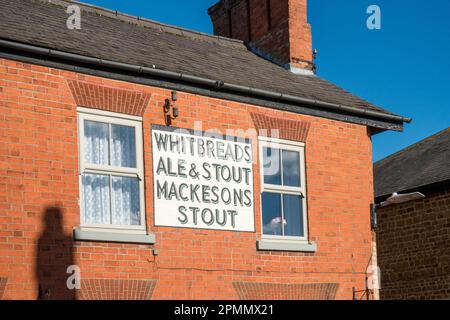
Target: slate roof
x,y
424,163
122,38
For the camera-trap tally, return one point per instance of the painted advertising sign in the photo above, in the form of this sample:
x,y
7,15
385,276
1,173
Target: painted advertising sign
x,y
201,181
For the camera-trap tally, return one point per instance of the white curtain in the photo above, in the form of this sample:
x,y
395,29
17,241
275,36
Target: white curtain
x,y
123,151
96,199
123,206
96,142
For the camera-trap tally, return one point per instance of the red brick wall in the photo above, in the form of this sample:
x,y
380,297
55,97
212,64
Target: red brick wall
x,y
277,291
413,241
294,130
110,289
108,98
279,28
39,173
300,36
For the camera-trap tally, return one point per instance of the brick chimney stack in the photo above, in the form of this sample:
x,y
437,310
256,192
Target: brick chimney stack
x,y
276,29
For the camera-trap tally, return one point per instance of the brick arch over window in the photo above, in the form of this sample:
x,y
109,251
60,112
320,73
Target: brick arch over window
x,y
109,99
281,291
293,130
109,289
3,282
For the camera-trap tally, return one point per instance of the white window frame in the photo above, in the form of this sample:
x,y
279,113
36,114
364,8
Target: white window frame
x,y
301,191
138,172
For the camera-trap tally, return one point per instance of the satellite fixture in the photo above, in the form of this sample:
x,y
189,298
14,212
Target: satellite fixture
x,y
402,198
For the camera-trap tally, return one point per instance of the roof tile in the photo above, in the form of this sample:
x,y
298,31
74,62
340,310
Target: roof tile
x,y
424,163
113,36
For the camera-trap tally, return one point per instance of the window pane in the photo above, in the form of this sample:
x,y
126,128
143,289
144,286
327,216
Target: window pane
x,y
271,214
96,199
272,167
125,195
291,168
96,142
293,214
123,149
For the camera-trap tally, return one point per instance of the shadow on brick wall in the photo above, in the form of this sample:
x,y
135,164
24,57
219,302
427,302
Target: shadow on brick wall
x,y
3,282
54,255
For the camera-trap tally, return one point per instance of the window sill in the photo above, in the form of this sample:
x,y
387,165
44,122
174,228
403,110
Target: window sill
x,y
274,245
103,236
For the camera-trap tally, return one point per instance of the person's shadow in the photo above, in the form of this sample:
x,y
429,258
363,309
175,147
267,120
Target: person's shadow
x,y
54,256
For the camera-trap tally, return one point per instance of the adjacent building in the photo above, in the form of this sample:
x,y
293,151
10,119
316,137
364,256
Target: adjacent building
x,y
413,238
140,160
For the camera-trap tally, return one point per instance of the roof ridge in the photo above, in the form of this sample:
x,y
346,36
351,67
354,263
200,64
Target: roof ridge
x,y
414,145
146,22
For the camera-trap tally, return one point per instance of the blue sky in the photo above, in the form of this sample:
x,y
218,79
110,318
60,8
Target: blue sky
x,y
404,67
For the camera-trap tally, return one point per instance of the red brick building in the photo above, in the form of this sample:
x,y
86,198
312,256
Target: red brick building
x,y
413,238
161,163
